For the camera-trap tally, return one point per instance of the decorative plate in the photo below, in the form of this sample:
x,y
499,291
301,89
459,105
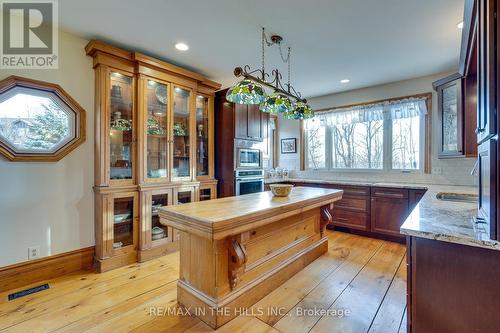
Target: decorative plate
x,y
161,94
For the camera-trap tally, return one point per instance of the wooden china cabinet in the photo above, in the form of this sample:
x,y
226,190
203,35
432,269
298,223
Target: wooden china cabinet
x,y
154,146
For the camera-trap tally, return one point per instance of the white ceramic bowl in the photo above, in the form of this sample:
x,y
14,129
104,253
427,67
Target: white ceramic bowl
x,y
281,190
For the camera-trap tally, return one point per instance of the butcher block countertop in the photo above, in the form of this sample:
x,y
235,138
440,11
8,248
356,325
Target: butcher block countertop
x,y
223,217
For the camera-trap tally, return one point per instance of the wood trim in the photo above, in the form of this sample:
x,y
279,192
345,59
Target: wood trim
x,y
18,275
95,48
468,32
445,80
428,136
302,152
391,99
80,120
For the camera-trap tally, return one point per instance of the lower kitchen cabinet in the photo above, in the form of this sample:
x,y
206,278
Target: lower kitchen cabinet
x,y
353,210
375,211
452,287
389,209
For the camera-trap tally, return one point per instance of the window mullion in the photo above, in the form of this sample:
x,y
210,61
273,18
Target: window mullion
x,y
328,148
387,144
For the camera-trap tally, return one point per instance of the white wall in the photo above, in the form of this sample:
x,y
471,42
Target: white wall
x,y
51,204
454,171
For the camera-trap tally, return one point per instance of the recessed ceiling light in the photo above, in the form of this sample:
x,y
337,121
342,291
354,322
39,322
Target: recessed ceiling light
x,y
181,46
345,81
460,25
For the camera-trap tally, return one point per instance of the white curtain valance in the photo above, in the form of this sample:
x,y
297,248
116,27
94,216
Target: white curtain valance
x,y
406,108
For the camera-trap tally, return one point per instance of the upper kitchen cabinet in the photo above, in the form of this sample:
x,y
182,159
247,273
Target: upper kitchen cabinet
x,y
249,122
455,120
486,56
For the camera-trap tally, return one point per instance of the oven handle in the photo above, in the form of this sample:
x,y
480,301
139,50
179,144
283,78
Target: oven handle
x,y
248,179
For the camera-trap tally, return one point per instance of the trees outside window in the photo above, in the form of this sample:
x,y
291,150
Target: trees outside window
x,y
392,139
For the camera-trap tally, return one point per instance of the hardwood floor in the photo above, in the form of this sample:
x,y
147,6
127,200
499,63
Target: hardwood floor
x,y
358,286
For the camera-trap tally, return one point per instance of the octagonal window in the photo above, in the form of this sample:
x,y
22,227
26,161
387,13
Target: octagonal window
x,y
38,120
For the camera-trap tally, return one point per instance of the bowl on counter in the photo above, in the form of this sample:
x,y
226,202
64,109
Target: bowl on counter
x,y
281,190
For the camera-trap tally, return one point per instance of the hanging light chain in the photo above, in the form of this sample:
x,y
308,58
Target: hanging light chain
x,y
288,58
263,53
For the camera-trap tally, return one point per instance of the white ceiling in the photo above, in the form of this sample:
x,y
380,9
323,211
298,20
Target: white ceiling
x,y
368,41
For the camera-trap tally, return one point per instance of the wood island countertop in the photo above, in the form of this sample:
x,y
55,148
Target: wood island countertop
x,y
223,217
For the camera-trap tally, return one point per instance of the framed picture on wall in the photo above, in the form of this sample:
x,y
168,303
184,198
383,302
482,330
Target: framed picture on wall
x,y
289,146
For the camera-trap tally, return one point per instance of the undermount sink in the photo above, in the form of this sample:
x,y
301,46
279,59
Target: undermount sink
x,y
459,197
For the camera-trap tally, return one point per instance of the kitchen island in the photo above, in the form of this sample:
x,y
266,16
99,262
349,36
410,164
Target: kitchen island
x,y
236,250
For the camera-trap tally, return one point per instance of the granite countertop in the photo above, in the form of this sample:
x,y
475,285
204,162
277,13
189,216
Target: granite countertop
x,y
346,182
447,221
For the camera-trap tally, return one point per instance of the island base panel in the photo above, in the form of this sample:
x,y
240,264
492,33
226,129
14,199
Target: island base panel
x,y
216,313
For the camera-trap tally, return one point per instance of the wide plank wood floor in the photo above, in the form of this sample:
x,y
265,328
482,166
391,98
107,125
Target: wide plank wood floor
x,y
358,286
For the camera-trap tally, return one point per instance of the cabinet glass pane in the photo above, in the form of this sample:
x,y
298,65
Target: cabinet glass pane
x,y
450,119
121,126
205,194
158,231
201,136
123,222
156,131
181,133
184,197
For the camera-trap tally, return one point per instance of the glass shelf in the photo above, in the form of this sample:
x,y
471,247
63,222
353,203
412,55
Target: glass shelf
x,y
202,132
181,149
123,218
156,130
121,126
158,230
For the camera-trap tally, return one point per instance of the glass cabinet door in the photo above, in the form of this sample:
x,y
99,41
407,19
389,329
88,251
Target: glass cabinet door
x,y
202,132
156,130
205,193
121,122
123,222
158,230
450,119
181,149
184,196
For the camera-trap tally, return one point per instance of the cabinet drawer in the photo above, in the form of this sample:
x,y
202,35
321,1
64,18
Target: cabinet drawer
x,y
357,204
386,192
354,190
349,219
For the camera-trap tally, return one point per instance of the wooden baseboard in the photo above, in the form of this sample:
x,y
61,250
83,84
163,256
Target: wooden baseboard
x,y
157,251
104,265
18,275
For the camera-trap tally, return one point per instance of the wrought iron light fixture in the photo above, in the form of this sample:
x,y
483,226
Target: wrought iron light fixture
x,y
284,99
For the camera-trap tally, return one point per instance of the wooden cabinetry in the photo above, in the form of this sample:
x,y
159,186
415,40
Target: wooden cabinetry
x,y
248,122
456,116
353,210
376,211
452,287
389,209
236,126
154,144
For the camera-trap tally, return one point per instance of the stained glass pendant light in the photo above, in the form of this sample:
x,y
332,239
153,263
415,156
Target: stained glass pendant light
x,y
246,92
277,103
284,100
300,111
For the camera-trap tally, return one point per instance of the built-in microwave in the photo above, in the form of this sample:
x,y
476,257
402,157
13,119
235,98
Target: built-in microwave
x,y
248,158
